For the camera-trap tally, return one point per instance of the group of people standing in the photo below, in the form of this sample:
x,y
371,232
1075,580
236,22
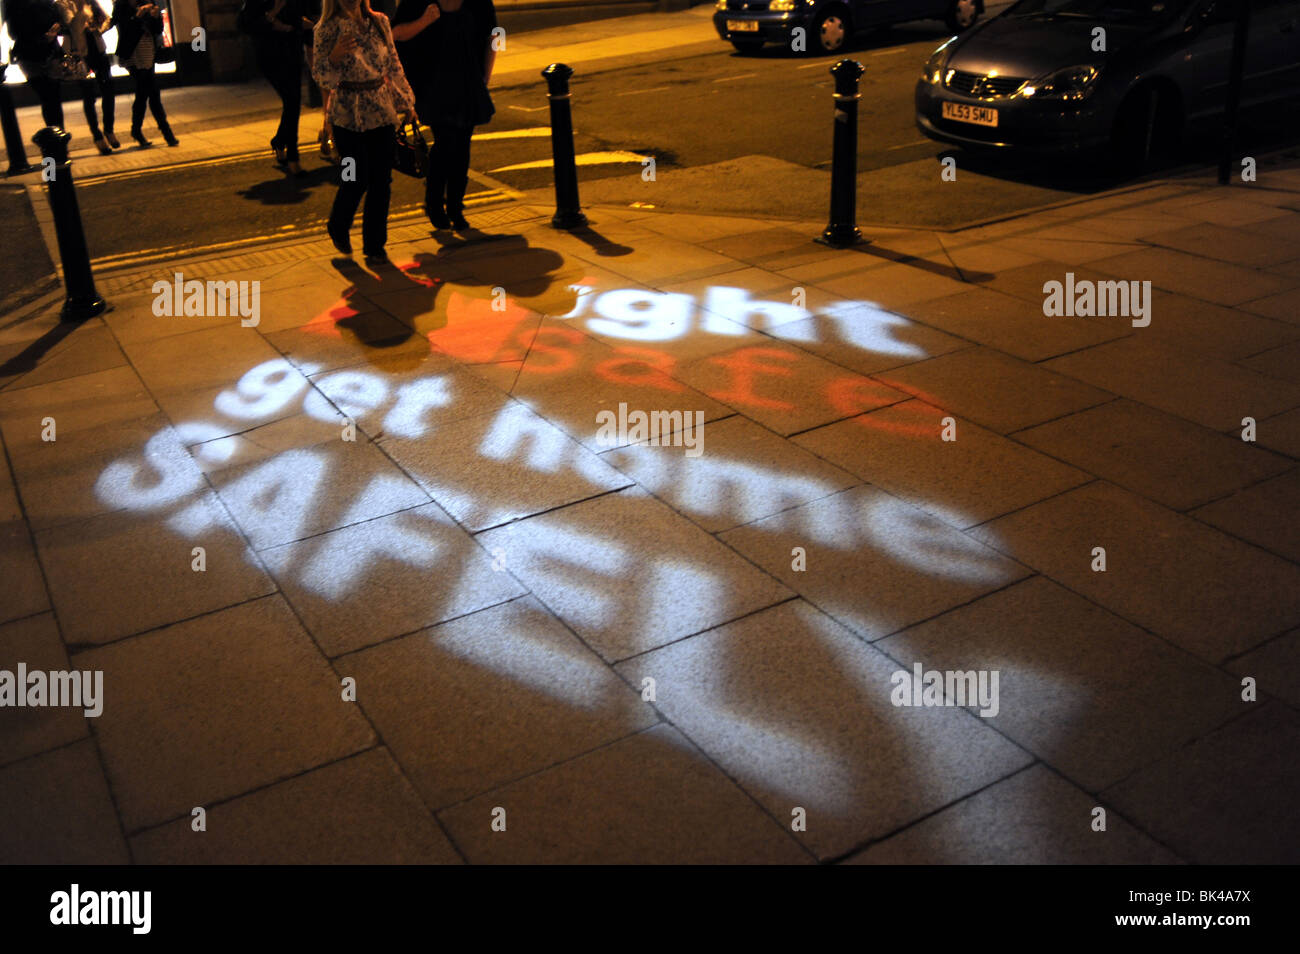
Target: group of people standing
x,y
434,64
63,40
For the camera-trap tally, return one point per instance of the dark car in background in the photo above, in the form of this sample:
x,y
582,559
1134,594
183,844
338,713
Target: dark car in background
x,y
829,24
1124,77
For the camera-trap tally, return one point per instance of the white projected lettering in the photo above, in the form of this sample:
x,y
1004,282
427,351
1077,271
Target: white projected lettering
x,y
274,501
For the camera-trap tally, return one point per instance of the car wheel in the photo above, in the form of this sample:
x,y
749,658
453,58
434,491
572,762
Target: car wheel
x,y
962,15
1134,138
830,32
747,47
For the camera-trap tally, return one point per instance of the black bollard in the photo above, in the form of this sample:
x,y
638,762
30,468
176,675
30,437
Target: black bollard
x,y
1236,67
568,213
82,300
18,163
842,231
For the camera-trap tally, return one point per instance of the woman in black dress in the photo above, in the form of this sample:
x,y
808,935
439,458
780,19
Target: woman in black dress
x,y
447,50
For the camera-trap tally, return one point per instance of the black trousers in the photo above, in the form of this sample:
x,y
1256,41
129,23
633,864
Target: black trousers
x,y
448,168
284,72
372,177
48,91
147,92
101,85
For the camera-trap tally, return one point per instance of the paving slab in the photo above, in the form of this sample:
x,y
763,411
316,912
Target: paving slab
x,y
1280,362
1012,325
376,579
648,799
58,811
127,572
28,730
784,388
1275,667
473,469
25,593
743,472
1195,802
866,339
1209,279
1212,393
872,561
214,707
1281,433
311,490
357,811
798,711
1182,323
626,573
978,476
1164,458
1200,589
1263,514
1032,818
1089,694
488,698
994,390
88,349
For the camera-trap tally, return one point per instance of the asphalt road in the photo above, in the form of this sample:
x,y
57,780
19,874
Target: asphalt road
x,y
688,114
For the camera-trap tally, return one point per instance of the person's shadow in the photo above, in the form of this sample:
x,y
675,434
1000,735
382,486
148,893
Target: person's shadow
x,y
287,189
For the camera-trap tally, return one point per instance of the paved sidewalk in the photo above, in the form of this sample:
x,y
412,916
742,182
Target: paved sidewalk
x,y
398,484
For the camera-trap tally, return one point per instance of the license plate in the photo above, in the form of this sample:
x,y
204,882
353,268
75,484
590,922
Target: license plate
x,y
966,113
742,26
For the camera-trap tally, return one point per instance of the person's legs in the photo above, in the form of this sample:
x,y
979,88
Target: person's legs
x,y
139,102
435,183
379,186
156,108
108,100
457,168
89,88
50,95
290,91
352,185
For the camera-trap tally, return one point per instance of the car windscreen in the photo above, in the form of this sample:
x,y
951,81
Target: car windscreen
x,y
1106,11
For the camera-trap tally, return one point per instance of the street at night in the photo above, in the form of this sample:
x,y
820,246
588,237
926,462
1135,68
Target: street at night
x,y
794,465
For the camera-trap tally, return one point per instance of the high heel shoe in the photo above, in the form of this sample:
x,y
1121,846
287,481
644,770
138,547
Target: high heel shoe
x,y
458,223
138,136
281,157
295,170
103,146
112,140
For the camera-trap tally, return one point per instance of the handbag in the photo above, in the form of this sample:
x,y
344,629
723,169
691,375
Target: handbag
x,y
73,67
410,151
328,150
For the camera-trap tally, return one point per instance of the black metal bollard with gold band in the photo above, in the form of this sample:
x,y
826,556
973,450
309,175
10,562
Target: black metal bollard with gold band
x,y
842,231
82,300
568,213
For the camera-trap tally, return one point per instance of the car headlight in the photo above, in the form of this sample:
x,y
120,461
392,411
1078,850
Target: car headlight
x,y
933,71
720,5
1072,84
781,6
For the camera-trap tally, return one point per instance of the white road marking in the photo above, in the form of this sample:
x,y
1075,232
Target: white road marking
x,y
636,92
729,79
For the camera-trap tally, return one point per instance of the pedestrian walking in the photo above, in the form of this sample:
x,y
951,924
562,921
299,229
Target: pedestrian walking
x,y
34,26
139,24
279,29
447,47
367,94
86,24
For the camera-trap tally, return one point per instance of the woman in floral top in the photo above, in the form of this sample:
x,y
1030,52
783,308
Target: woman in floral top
x,y
355,63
